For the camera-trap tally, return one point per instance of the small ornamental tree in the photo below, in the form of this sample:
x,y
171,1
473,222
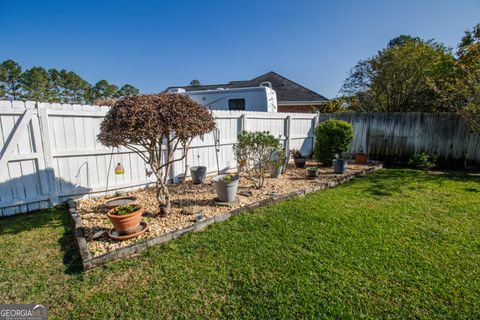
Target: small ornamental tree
x,y
148,124
332,137
257,153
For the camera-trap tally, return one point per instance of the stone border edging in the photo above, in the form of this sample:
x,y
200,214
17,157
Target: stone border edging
x,y
89,262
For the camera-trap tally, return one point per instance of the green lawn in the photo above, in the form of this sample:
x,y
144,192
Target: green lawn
x,y
394,244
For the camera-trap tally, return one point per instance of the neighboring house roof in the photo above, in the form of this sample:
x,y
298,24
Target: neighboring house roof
x,y
288,92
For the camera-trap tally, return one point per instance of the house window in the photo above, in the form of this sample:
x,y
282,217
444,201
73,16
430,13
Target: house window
x,y
236,104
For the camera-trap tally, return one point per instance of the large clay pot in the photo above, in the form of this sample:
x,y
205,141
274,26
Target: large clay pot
x,y
300,162
361,158
120,201
339,166
226,191
198,174
126,223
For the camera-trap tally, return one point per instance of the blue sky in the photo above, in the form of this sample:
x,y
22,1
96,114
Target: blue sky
x,y
155,44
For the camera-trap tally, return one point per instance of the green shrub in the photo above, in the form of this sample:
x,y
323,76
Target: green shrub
x,y
423,161
257,153
333,137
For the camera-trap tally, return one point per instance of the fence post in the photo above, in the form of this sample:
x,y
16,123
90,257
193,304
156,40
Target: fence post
x,y
47,153
243,123
288,122
314,126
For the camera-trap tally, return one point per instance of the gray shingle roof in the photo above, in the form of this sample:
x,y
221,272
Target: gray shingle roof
x,y
286,89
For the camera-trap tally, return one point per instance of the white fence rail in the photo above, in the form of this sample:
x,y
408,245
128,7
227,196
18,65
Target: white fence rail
x,y
49,152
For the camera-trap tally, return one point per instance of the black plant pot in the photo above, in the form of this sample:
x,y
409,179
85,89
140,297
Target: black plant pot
x,y
198,174
339,166
300,162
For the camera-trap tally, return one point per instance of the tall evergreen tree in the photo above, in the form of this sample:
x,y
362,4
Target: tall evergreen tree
x,y
104,90
76,90
56,86
126,90
11,78
35,84
3,86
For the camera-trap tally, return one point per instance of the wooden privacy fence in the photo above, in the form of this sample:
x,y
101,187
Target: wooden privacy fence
x,y
49,152
396,136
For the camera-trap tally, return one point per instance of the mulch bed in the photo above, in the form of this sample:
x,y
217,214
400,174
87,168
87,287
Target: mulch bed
x,y
188,198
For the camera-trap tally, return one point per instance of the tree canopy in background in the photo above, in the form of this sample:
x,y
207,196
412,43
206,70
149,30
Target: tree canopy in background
x,y
10,73
466,85
399,77
414,75
195,83
39,84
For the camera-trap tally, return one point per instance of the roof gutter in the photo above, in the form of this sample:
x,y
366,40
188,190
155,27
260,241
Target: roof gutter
x,y
300,103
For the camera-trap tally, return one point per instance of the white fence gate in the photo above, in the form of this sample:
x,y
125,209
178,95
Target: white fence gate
x,y
49,152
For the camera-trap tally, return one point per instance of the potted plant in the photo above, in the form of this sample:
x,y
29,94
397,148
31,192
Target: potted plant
x,y
198,174
298,159
226,186
120,201
277,166
360,157
312,172
126,219
339,165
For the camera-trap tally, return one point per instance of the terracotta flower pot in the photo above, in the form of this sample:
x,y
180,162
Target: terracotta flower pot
x,y
120,201
361,158
126,223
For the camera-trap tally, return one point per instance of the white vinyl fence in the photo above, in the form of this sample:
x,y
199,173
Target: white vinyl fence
x,y
49,152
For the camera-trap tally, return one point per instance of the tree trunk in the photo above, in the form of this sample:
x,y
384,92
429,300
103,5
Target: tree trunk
x,y
185,150
163,196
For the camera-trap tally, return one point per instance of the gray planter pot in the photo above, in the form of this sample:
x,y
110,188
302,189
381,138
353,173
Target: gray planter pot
x,y
300,162
339,166
226,191
198,174
276,172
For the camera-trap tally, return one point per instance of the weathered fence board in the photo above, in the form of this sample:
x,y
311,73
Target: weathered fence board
x,y
396,136
58,155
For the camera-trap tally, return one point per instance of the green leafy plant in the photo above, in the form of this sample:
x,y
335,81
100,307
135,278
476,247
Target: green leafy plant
x,y
229,178
127,209
296,153
333,137
258,152
312,169
278,159
423,161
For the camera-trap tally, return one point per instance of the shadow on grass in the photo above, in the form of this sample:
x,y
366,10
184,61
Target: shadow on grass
x,y
46,219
